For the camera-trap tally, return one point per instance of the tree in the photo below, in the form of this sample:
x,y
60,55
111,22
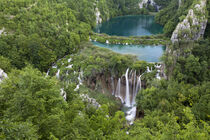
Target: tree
x,y
27,96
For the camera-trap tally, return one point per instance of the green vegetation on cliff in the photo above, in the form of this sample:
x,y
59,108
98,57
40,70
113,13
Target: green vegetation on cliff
x,y
42,34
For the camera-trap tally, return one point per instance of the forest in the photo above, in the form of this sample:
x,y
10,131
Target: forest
x,y
58,83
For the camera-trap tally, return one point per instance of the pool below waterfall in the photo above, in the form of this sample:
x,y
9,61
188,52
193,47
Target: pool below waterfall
x,y
131,26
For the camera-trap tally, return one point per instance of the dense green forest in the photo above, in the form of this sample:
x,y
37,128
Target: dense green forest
x,y
42,38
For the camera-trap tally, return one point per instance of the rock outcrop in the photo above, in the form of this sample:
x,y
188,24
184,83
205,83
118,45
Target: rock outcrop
x,y
89,100
145,3
194,24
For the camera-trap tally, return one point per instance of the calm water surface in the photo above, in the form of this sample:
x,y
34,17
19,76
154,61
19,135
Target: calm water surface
x,y
133,26
147,53
130,26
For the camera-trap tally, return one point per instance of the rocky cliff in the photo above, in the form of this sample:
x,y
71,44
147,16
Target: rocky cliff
x,y
145,3
193,25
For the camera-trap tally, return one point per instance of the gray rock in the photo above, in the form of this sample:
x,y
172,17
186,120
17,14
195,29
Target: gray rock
x,y
193,26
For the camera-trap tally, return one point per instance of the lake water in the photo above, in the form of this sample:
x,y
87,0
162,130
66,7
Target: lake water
x,y
147,53
130,26
133,26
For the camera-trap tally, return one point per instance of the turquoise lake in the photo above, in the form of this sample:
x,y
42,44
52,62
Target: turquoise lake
x,y
133,26
146,53
130,26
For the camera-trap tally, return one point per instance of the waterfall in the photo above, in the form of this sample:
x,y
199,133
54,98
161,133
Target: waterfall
x,y
63,93
47,73
158,67
134,86
138,87
180,2
3,75
127,96
118,91
58,74
80,81
98,14
148,70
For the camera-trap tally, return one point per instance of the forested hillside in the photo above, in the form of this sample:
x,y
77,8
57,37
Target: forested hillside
x,y
54,84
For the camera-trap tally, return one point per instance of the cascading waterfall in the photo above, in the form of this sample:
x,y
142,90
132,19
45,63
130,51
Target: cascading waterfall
x,y
138,87
118,91
127,96
180,2
132,86
80,81
63,93
128,87
3,75
58,74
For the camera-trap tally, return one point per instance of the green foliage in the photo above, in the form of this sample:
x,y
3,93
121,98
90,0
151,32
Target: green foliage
x,y
40,40
5,64
172,15
192,65
102,98
162,3
32,108
39,32
165,126
17,130
144,40
33,98
173,111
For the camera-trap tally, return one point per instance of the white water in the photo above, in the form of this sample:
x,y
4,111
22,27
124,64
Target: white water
x,y
47,73
63,93
80,81
180,2
58,74
132,85
69,60
98,18
127,96
158,67
3,75
118,91
69,66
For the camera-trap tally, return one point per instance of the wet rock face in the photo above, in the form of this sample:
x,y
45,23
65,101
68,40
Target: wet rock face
x,y
3,75
194,24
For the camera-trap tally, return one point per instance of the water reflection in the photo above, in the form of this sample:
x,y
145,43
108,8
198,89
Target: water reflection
x,y
130,26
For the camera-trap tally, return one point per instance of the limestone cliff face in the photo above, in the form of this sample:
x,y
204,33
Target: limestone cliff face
x,y
148,2
194,24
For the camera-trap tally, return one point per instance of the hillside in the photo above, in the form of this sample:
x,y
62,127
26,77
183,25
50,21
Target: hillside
x,y
61,80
